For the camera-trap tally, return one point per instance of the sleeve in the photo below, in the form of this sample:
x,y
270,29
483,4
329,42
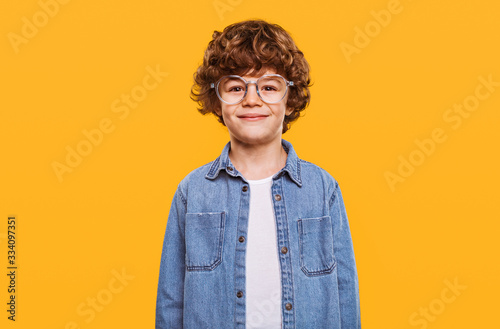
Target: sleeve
x,y
347,276
170,296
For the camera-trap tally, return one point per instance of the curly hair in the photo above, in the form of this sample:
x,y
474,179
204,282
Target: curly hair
x,y
252,46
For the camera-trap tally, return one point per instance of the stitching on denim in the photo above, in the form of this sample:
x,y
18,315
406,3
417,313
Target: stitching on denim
x,y
218,260
280,236
322,272
235,309
222,231
286,227
280,177
279,180
301,253
183,199
334,195
213,168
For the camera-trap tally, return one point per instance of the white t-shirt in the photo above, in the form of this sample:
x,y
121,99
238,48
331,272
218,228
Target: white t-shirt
x,y
263,283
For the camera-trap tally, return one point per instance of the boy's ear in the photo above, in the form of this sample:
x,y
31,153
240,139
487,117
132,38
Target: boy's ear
x,y
288,111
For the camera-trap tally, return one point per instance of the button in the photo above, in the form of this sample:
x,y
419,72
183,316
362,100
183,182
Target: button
x,y
284,250
245,188
288,306
239,294
229,168
241,239
277,197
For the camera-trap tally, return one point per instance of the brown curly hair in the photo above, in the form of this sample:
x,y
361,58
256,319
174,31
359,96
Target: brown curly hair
x,y
252,46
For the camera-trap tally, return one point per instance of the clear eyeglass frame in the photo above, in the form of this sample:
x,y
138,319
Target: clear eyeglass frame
x,y
216,87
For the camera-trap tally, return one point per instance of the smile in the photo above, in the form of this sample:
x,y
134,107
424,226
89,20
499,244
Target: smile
x,y
253,118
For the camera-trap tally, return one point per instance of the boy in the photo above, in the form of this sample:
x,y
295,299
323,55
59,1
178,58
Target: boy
x,y
257,238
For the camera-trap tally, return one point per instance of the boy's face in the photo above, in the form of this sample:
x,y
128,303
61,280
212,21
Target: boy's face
x,y
252,121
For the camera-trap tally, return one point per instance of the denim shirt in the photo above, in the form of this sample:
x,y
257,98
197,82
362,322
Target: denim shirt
x,y
202,270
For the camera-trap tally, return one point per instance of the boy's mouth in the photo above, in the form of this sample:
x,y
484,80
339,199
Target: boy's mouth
x,y
253,116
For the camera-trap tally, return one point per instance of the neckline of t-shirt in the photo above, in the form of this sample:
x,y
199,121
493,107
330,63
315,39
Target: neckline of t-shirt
x,y
260,181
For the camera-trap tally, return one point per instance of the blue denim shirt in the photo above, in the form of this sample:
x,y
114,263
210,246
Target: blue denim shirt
x,y
202,271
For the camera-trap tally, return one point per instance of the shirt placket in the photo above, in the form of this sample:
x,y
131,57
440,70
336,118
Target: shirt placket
x,y
287,301
239,270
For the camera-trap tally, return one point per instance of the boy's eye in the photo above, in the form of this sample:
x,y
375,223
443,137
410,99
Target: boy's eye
x,y
271,84
269,88
236,89
233,86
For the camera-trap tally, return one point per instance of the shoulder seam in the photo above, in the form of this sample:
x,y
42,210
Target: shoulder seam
x,y
183,199
334,194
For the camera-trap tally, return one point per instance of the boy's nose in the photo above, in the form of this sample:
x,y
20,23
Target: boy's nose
x,y
252,98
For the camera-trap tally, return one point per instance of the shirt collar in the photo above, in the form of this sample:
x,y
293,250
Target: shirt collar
x,y
223,162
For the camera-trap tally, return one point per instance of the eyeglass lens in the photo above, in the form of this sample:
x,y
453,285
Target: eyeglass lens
x,y
271,89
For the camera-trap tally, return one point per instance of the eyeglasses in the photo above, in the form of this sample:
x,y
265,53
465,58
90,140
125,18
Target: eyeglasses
x,y
271,88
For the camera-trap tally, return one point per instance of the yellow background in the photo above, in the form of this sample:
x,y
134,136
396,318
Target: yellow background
x,y
108,215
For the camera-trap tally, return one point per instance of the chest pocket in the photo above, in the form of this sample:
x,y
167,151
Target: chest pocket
x,y
316,246
204,239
